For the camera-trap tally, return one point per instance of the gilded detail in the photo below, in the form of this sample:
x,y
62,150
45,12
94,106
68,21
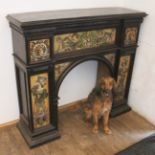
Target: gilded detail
x,y
82,40
39,50
123,71
40,99
59,68
130,35
111,58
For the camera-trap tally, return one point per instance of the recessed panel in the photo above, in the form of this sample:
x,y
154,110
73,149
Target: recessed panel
x,y
82,40
39,50
123,71
40,99
130,35
59,68
111,58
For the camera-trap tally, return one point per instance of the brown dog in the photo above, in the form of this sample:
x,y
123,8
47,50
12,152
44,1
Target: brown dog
x,y
100,103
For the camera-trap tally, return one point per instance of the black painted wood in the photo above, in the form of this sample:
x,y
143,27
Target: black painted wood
x,y
40,25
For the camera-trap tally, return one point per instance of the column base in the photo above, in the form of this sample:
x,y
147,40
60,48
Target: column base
x,y
119,110
39,139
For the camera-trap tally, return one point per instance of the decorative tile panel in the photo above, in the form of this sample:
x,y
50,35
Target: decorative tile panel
x,y
111,58
130,35
82,40
40,99
59,68
39,50
123,72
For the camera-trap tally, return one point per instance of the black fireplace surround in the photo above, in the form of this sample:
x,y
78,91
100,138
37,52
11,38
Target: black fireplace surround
x,y
47,45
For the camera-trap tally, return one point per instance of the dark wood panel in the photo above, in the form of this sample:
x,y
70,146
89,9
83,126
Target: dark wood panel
x,y
19,47
23,93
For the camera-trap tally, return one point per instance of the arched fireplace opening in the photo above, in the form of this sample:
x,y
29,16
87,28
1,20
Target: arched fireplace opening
x,y
79,88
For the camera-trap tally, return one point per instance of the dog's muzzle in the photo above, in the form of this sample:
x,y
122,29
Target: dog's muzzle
x,y
106,93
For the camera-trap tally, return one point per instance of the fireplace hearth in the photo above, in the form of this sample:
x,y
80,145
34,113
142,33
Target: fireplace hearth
x,y
47,45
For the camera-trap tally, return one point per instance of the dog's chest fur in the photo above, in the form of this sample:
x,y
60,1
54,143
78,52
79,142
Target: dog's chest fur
x,y
100,99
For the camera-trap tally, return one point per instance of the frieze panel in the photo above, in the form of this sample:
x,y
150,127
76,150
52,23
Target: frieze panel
x,y
82,40
40,99
130,35
123,71
39,50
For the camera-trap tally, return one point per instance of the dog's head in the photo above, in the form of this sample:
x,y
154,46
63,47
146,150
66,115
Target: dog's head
x,y
107,83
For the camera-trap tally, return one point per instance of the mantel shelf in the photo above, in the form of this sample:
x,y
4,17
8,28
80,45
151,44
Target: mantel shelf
x,y
60,16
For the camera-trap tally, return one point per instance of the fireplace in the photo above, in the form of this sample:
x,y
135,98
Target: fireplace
x,y
47,45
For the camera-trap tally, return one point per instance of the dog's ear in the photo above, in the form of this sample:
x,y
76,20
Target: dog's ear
x,y
111,80
100,82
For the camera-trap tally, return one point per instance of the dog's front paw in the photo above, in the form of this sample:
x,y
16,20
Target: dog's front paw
x,y
95,130
107,131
